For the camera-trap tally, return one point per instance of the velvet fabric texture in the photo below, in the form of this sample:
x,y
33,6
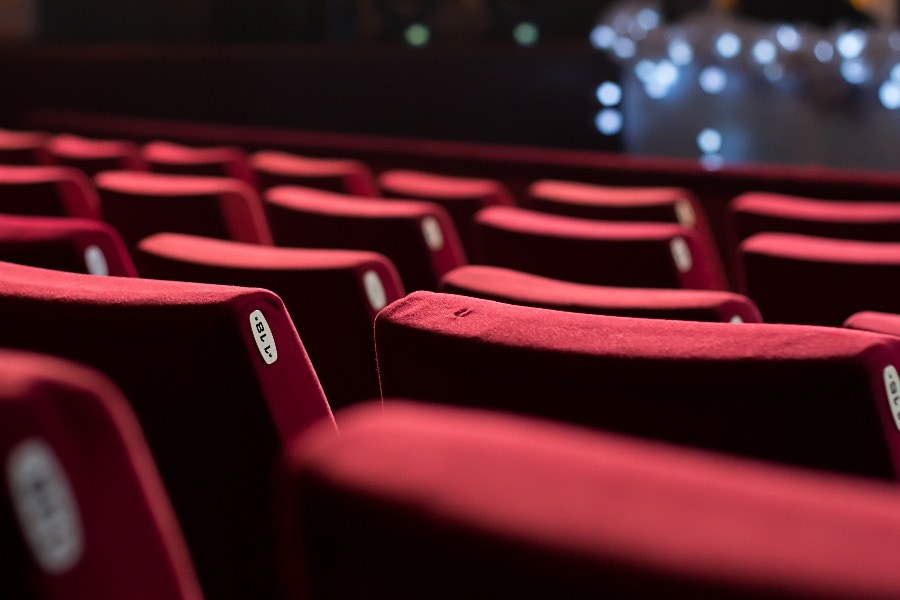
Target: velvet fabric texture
x,y
418,237
820,281
878,322
141,204
331,295
664,255
90,517
66,244
344,176
213,161
92,156
47,191
517,287
417,501
803,395
757,212
191,360
461,197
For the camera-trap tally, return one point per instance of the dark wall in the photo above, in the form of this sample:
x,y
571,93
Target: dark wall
x,y
481,92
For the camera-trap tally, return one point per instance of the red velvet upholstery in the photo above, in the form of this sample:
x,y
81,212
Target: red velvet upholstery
x,y
89,515
418,237
213,161
65,244
516,287
629,254
189,359
141,204
879,322
625,203
804,395
433,502
805,279
332,296
23,147
346,176
461,197
756,212
48,191
92,155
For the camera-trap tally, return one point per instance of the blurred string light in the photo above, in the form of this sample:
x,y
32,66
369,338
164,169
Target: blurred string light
x,y
417,34
526,33
715,48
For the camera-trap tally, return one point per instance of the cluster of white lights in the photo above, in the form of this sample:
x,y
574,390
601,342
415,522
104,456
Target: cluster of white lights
x,y
716,52
609,120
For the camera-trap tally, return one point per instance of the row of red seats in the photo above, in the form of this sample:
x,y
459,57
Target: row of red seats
x,y
822,396
222,389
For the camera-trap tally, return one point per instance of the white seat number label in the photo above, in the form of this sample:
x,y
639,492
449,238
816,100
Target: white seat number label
x,y
892,387
263,337
45,506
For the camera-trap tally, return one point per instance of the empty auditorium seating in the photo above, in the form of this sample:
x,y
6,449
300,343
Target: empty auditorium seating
x,y
49,191
331,295
664,255
418,237
803,395
516,287
461,197
84,512
214,161
821,281
346,176
93,155
757,212
66,244
22,147
418,501
141,204
219,381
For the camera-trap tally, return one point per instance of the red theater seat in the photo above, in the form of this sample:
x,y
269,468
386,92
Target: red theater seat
x,y
664,255
802,395
418,237
76,245
213,161
757,212
23,147
219,381
91,517
332,296
345,176
804,279
474,504
461,197
516,287
878,322
141,204
92,155
47,191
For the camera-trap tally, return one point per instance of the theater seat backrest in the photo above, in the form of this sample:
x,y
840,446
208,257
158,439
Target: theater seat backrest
x,y
141,204
212,161
218,379
331,295
516,287
93,155
47,191
664,255
418,237
90,515
66,244
803,395
340,175
476,504
820,281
